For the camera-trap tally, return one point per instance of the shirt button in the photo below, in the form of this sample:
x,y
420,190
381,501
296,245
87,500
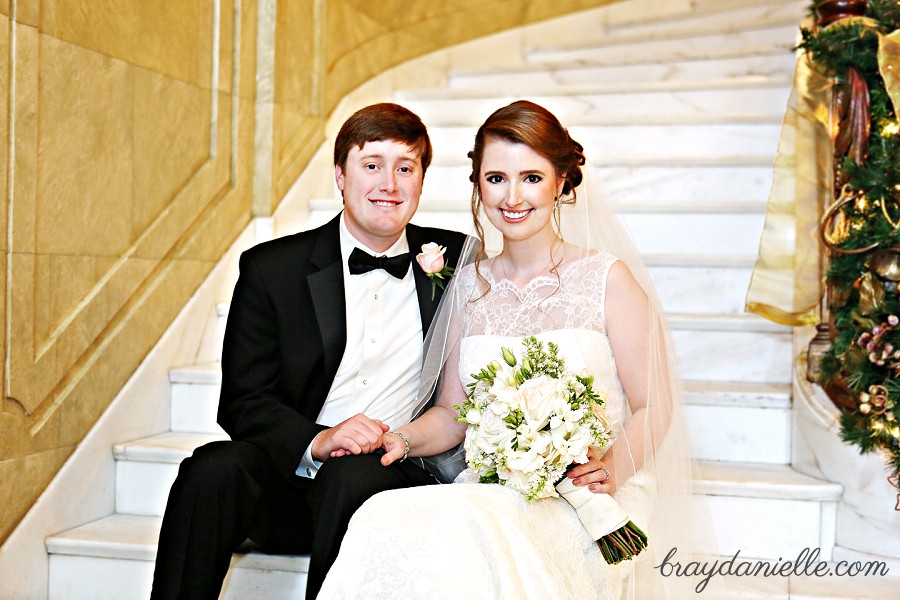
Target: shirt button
x,y
376,296
308,472
372,340
365,382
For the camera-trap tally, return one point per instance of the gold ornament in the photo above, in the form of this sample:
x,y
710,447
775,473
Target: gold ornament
x,y
835,227
889,66
871,294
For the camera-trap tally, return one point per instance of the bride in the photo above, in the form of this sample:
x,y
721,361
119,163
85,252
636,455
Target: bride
x,y
566,273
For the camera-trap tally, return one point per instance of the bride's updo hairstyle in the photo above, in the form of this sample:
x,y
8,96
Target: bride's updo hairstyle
x,y
524,122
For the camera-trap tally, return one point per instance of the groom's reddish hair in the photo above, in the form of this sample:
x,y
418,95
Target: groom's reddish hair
x,y
379,122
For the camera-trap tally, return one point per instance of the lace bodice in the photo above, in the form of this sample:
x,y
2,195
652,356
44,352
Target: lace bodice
x,y
572,300
568,311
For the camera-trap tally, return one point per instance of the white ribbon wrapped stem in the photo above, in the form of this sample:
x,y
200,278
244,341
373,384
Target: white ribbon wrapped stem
x,y
599,513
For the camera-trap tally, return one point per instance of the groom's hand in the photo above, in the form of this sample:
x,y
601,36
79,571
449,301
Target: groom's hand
x,y
357,435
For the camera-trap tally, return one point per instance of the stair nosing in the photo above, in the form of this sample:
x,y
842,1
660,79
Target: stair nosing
x,y
200,373
721,322
575,65
739,394
445,121
671,34
603,88
727,207
75,542
170,447
746,480
700,10
665,161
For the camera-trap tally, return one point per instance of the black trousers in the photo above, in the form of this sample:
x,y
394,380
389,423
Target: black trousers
x,y
227,492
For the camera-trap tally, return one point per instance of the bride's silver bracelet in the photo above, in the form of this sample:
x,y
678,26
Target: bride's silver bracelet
x,y
405,441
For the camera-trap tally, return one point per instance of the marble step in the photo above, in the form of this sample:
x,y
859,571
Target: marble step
x,y
146,468
701,283
630,141
771,62
712,15
195,395
732,348
702,42
725,420
598,101
762,531
112,559
708,179
768,511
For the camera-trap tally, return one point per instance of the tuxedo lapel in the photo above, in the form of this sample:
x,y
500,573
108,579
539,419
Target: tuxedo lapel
x,y
326,285
427,306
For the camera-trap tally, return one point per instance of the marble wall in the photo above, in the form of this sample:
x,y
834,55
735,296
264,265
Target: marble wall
x,y
139,139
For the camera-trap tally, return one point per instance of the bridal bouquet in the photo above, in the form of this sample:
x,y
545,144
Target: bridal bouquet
x,y
526,425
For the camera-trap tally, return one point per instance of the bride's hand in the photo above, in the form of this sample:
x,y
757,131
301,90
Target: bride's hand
x,y
394,448
594,474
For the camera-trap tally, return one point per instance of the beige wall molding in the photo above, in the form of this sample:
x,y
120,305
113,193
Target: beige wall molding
x,y
123,188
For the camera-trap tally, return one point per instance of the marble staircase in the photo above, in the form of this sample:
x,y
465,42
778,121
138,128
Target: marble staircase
x,y
682,117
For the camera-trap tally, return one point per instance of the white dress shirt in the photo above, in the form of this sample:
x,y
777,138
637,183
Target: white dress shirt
x,y
379,372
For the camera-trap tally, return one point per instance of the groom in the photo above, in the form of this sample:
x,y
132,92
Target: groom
x,y
321,359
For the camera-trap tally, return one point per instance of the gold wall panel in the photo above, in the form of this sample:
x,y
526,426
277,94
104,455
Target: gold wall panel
x,y
172,37
127,185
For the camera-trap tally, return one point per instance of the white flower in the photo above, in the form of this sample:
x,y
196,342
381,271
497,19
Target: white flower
x,y
494,430
473,416
431,259
527,462
517,480
541,395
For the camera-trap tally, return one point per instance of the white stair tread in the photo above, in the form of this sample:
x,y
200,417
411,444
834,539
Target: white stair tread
x,y
666,160
134,538
463,205
755,480
171,447
208,373
708,11
576,65
722,261
716,478
746,322
606,87
738,394
697,22
708,42
613,119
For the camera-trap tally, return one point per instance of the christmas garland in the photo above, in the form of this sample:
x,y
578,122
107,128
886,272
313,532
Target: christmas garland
x,y
861,370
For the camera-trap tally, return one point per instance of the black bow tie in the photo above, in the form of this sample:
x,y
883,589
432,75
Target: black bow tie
x,y
363,262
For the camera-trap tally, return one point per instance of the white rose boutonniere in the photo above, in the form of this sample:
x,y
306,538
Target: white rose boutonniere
x,y
431,259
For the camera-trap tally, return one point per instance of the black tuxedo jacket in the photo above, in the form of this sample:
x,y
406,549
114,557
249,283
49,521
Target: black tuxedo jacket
x,y
286,335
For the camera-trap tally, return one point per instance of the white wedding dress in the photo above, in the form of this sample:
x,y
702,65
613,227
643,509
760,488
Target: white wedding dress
x,y
471,540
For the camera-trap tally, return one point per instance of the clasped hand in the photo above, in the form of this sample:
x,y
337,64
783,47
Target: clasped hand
x,y
357,435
